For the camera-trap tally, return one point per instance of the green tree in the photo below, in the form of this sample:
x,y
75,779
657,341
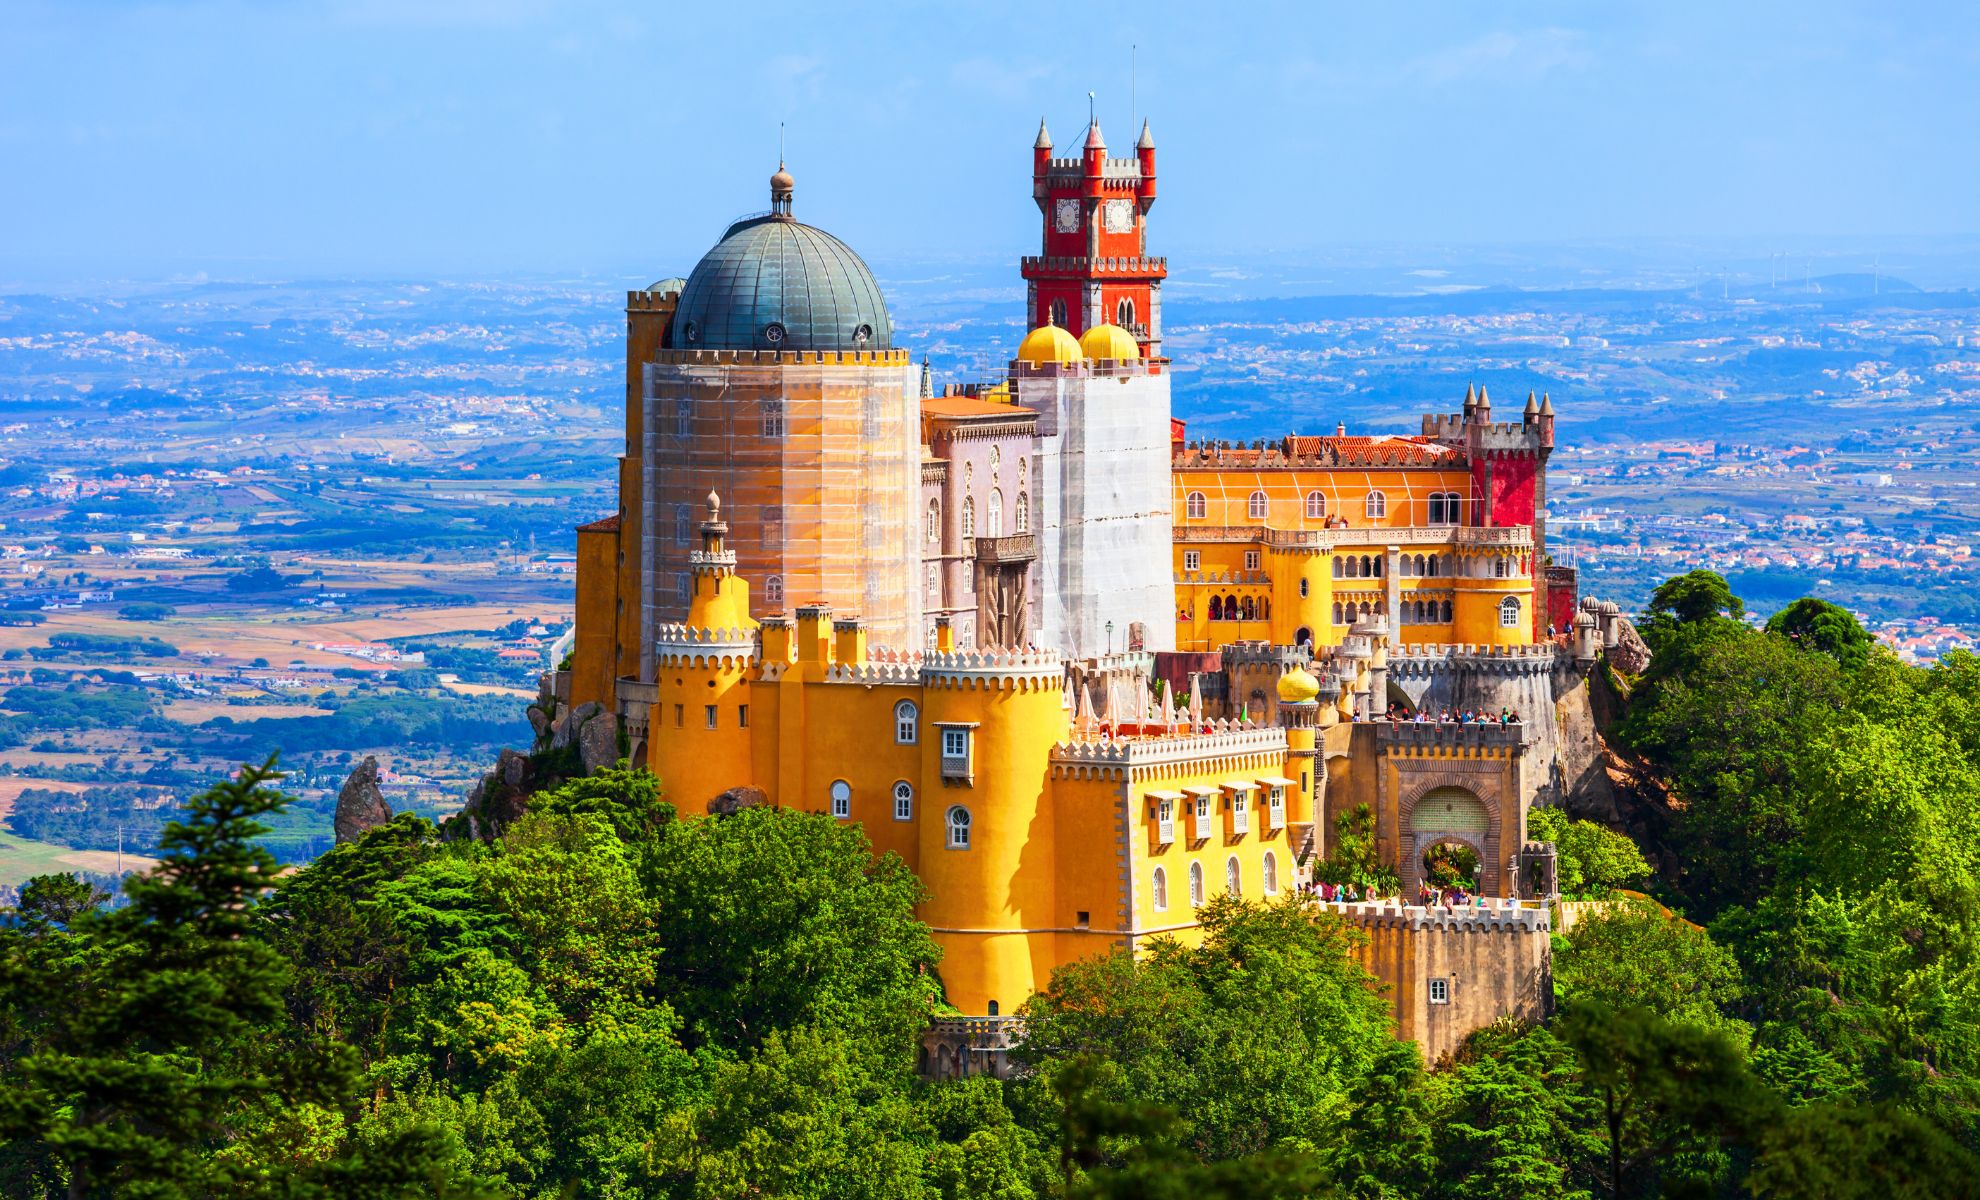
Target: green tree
x,y
1258,1034
1591,862
1511,1120
57,900
1356,860
1637,956
1695,596
1823,628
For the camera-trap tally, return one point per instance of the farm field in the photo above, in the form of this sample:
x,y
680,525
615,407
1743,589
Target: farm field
x,y
21,860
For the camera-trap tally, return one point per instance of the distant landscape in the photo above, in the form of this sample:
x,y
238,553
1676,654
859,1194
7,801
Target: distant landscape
x,y
334,518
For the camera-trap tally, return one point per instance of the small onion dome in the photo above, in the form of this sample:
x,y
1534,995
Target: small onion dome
x,y
782,181
1298,686
1049,344
1109,341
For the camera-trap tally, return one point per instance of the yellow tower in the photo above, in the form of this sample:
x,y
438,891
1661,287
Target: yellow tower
x,y
700,720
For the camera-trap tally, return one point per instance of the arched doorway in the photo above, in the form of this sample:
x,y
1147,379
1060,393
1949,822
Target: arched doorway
x,y
1450,864
1303,636
1447,817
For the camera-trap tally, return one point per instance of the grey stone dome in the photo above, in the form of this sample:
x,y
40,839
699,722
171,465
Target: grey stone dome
x,y
773,283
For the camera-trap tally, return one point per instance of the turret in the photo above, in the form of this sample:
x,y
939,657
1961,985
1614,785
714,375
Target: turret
x,y
1041,155
1532,413
1144,150
1096,159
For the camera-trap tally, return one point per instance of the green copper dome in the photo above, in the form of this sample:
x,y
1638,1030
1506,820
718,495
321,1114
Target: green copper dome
x,y
773,283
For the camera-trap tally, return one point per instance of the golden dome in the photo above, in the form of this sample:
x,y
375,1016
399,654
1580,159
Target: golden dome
x,y
1298,686
1110,341
1049,344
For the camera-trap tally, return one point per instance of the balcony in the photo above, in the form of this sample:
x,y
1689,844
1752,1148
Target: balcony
x,y
1017,548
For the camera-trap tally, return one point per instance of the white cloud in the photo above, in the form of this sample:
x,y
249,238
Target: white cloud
x,y
1504,55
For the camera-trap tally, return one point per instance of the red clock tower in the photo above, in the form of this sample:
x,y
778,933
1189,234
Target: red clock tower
x,y
1094,268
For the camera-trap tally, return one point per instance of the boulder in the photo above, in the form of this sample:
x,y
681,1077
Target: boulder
x,y
539,721
597,739
361,804
736,799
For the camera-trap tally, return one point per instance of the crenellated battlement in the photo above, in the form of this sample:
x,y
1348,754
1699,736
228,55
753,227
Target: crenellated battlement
x,y
1496,916
785,358
1449,738
1227,742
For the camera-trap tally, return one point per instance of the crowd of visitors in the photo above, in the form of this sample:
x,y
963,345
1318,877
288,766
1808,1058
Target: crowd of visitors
x,y
1451,716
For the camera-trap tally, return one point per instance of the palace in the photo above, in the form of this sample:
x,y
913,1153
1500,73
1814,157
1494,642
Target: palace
x,y
1078,671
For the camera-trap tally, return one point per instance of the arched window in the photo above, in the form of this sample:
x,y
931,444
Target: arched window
x,y
683,525
1434,569
1216,608
1337,566
773,418
1255,507
1023,510
1447,613
934,582
1161,890
1316,506
1499,566
907,724
1365,610
773,590
1196,885
1302,589
1376,506
842,799
933,532
969,517
1233,878
1246,611
1059,313
996,513
1230,608
1124,314
1353,567
1509,612
903,801
1195,508
1337,612
958,828
1407,565
1269,874
1376,563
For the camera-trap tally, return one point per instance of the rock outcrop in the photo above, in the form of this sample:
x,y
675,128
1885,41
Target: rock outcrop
x,y
361,804
736,799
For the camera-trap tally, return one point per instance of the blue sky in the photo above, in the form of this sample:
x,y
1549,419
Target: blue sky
x,y
280,138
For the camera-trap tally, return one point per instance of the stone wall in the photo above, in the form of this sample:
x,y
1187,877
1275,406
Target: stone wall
x,y
1493,962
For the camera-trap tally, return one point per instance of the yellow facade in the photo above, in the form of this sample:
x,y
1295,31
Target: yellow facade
x,y
1063,838
1303,553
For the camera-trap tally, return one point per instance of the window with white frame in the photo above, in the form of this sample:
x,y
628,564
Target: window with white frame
x,y
1275,806
1200,816
1161,890
969,517
934,581
1444,508
996,513
904,801
932,534
773,419
1195,507
1192,560
907,723
1269,874
773,589
1316,506
842,799
1233,877
1165,821
1023,514
1251,560
1440,991
1509,612
1255,507
955,743
1375,506
1196,885
1240,812
958,823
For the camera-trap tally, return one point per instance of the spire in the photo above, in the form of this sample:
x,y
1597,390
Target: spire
x,y
1470,397
1546,405
1532,405
927,379
1093,139
1147,141
1484,401
1044,141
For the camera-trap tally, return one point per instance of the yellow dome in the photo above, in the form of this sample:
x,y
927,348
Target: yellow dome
x,y
1110,341
1298,686
1049,344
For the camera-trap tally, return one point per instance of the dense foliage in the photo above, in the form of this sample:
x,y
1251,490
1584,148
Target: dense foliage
x,y
607,1001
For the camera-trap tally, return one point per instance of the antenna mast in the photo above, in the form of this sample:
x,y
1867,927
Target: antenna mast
x,y
1134,102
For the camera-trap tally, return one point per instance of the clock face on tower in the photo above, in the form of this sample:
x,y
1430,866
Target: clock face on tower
x,y
1119,216
1065,215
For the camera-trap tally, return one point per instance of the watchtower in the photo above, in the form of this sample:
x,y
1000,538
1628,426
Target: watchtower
x,y
1093,267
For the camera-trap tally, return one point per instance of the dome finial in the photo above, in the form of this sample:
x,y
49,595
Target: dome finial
x,y
781,187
